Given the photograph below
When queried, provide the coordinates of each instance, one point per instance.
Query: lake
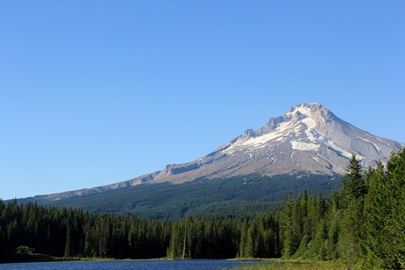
(131, 265)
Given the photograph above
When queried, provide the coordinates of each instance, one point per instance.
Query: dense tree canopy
(363, 223)
(72, 233)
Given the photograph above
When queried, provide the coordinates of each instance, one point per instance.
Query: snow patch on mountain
(341, 150)
(304, 146)
(373, 144)
(260, 141)
(315, 136)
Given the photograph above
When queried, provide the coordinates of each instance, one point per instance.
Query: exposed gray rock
(308, 138)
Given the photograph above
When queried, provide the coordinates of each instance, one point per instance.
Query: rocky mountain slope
(308, 138)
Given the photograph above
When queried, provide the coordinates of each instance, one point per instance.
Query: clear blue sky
(96, 92)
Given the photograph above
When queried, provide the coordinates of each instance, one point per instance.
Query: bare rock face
(308, 138)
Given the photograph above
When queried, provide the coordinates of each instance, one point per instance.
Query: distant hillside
(239, 196)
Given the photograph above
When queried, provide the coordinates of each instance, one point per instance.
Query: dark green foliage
(236, 197)
(24, 251)
(384, 240)
(299, 222)
(196, 238)
(221, 205)
(315, 228)
(354, 183)
(363, 223)
(27, 254)
(72, 233)
(260, 237)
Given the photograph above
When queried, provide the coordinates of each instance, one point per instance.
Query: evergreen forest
(233, 197)
(361, 224)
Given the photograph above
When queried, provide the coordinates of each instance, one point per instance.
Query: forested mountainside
(235, 197)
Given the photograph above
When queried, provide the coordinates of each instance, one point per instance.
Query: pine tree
(243, 239)
(250, 246)
(355, 188)
(68, 243)
(375, 212)
(395, 220)
(354, 182)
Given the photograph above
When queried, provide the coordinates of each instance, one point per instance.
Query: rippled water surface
(130, 265)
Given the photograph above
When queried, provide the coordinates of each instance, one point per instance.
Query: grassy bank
(302, 265)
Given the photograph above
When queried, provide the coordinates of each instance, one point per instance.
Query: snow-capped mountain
(308, 138)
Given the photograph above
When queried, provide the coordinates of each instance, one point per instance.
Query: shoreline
(45, 258)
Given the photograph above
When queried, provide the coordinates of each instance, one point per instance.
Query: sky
(100, 91)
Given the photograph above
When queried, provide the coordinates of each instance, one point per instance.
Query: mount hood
(307, 139)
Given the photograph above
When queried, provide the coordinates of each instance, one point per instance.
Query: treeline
(72, 233)
(363, 223)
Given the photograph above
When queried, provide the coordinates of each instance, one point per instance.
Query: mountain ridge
(309, 138)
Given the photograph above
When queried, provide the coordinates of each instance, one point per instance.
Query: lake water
(130, 265)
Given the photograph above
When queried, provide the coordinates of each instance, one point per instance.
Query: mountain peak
(309, 138)
(306, 106)
(311, 114)
(311, 110)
